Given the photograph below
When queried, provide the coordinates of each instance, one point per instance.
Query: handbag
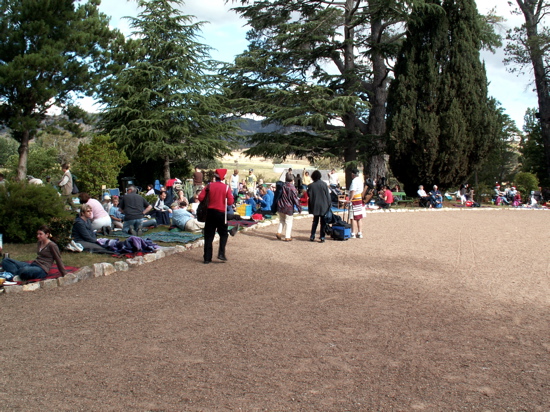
(202, 208)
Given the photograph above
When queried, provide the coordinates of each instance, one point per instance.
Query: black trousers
(315, 223)
(215, 221)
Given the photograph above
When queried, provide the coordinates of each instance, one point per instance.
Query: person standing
(134, 208)
(66, 185)
(219, 197)
(318, 204)
(198, 178)
(234, 182)
(285, 209)
(251, 181)
(355, 196)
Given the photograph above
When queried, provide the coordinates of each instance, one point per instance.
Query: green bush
(25, 207)
(61, 229)
(525, 183)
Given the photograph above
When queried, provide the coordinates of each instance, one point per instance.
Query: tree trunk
(23, 155)
(166, 168)
(541, 82)
(376, 165)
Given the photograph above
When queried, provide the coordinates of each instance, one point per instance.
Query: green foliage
(525, 183)
(49, 51)
(166, 105)
(210, 164)
(316, 72)
(8, 147)
(61, 230)
(24, 207)
(151, 198)
(502, 162)
(532, 148)
(42, 162)
(98, 163)
(441, 124)
(527, 48)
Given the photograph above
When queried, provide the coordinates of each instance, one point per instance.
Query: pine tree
(50, 50)
(165, 105)
(441, 124)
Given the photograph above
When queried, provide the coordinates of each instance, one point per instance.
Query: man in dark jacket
(318, 204)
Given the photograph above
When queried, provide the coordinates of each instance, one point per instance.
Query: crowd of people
(132, 214)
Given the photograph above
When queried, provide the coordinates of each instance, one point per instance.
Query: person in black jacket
(82, 231)
(318, 204)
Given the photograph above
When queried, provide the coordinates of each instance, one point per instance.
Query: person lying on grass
(47, 254)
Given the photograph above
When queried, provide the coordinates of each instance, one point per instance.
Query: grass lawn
(27, 251)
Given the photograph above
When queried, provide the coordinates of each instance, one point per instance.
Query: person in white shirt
(234, 183)
(333, 179)
(355, 194)
(424, 198)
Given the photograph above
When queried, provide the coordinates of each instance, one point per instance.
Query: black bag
(75, 190)
(202, 208)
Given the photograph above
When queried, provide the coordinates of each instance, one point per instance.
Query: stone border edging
(107, 269)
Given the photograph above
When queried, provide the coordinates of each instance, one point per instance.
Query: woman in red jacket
(219, 197)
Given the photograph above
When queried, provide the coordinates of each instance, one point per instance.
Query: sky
(225, 32)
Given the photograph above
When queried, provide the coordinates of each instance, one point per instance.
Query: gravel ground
(434, 311)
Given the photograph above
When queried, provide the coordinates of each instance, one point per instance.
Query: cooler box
(340, 232)
(244, 210)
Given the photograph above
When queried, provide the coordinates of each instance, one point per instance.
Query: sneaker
(352, 236)
(359, 235)
(234, 230)
(140, 232)
(312, 238)
(132, 232)
(278, 236)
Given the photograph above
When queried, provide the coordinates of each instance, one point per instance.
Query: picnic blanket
(52, 274)
(173, 236)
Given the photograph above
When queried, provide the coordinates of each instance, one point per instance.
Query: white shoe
(352, 236)
(359, 235)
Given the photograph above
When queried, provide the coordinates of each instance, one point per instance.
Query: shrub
(24, 207)
(61, 230)
(525, 183)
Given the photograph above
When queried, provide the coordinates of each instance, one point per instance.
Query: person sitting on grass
(100, 219)
(162, 210)
(82, 231)
(134, 208)
(183, 219)
(385, 198)
(264, 201)
(47, 254)
(117, 217)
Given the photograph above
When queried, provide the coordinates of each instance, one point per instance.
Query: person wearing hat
(251, 181)
(106, 203)
(219, 197)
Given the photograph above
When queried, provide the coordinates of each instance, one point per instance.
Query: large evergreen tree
(165, 105)
(441, 124)
(530, 46)
(532, 148)
(322, 66)
(49, 50)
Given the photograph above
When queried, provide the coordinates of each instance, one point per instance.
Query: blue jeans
(134, 224)
(25, 270)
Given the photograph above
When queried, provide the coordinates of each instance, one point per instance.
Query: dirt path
(435, 311)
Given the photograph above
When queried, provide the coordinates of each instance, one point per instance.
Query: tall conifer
(441, 124)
